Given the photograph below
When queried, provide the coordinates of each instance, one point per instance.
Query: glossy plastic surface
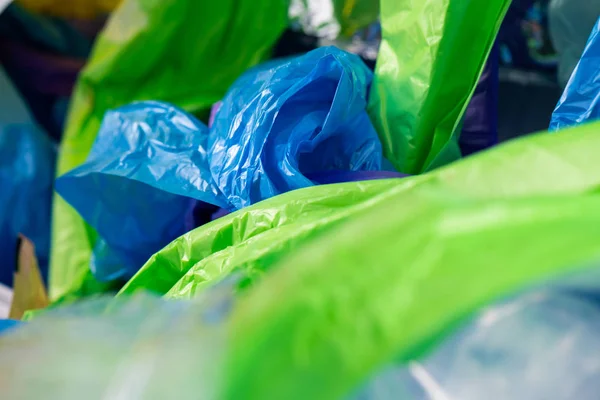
(430, 59)
(284, 120)
(580, 101)
(277, 124)
(185, 52)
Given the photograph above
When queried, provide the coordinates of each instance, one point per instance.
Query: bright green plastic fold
(362, 274)
(186, 52)
(429, 62)
(253, 239)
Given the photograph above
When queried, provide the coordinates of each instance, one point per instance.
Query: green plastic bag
(254, 239)
(429, 62)
(416, 257)
(185, 52)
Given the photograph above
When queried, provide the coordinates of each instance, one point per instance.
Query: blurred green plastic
(361, 274)
(186, 52)
(429, 62)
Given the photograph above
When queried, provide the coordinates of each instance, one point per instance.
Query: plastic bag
(425, 76)
(26, 176)
(307, 115)
(579, 101)
(186, 52)
(277, 226)
(339, 309)
(541, 345)
(312, 121)
(303, 271)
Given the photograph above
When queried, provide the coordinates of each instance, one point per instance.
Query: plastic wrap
(287, 119)
(139, 183)
(26, 176)
(429, 62)
(184, 52)
(306, 115)
(254, 239)
(541, 345)
(579, 102)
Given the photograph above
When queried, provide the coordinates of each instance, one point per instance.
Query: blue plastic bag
(152, 163)
(27, 158)
(580, 101)
(302, 116)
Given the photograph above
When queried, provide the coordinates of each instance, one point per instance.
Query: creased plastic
(283, 121)
(277, 126)
(339, 281)
(430, 59)
(378, 288)
(254, 239)
(184, 52)
(579, 102)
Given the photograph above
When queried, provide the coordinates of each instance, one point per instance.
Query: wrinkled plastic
(198, 48)
(26, 175)
(294, 250)
(538, 346)
(307, 116)
(570, 23)
(425, 77)
(330, 315)
(579, 102)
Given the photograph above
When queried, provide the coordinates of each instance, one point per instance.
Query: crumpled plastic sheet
(580, 101)
(277, 125)
(319, 262)
(429, 62)
(287, 119)
(27, 158)
(540, 345)
(179, 66)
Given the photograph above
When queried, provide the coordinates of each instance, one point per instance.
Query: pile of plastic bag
(243, 208)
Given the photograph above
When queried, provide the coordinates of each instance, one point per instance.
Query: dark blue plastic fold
(27, 158)
(152, 163)
(580, 101)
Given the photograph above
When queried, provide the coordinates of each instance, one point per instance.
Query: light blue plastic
(279, 122)
(580, 101)
(27, 159)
